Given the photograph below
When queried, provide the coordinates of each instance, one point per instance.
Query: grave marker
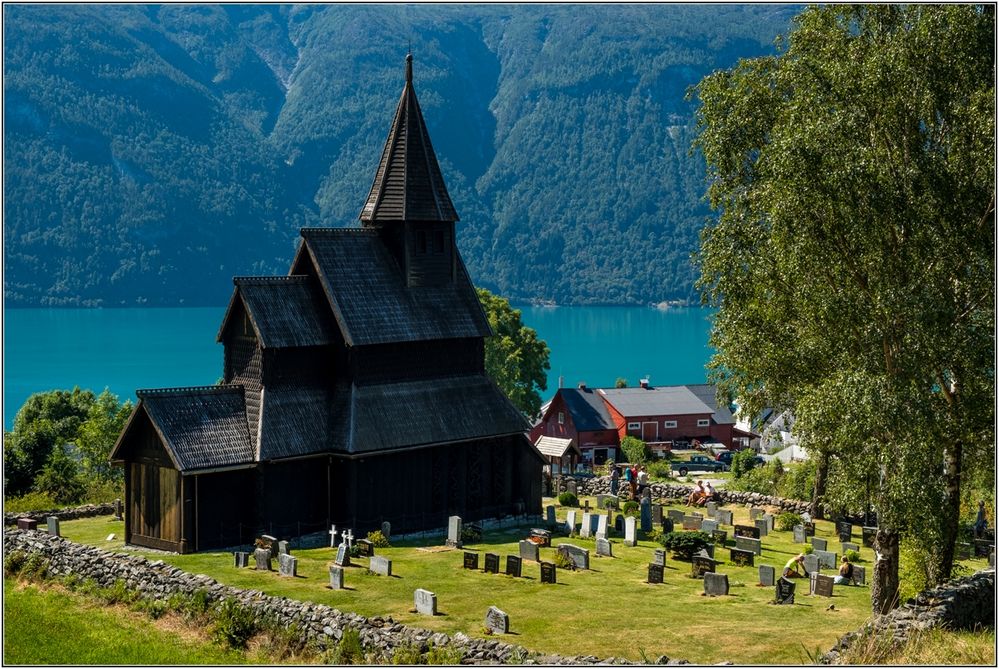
(762, 526)
(541, 537)
(619, 524)
(784, 592)
(594, 522)
(425, 602)
(809, 528)
(983, 547)
(867, 536)
(819, 544)
(471, 560)
(380, 565)
(741, 557)
(496, 621)
(365, 548)
(492, 563)
(646, 514)
(659, 557)
(271, 544)
(387, 529)
(767, 575)
(550, 518)
(283, 548)
(548, 572)
(769, 517)
(27, 524)
(699, 565)
(755, 512)
(708, 550)
(747, 531)
(811, 563)
(827, 559)
(675, 515)
(585, 529)
(858, 575)
(241, 559)
(602, 526)
(570, 521)
(691, 523)
(262, 559)
(580, 556)
(711, 508)
(992, 559)
(604, 547)
(454, 531)
(655, 573)
(844, 529)
(342, 558)
(749, 544)
(117, 510)
(709, 526)
(715, 585)
(336, 577)
(332, 534)
(629, 531)
(720, 536)
(513, 566)
(847, 546)
(657, 514)
(529, 550)
(667, 525)
(821, 585)
(287, 565)
(799, 534)
(52, 525)
(724, 516)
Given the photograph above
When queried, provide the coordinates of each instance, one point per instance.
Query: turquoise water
(125, 349)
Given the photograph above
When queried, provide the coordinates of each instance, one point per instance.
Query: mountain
(151, 152)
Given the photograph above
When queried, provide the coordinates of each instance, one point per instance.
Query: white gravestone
(629, 531)
(425, 602)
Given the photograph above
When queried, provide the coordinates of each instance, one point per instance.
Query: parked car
(699, 463)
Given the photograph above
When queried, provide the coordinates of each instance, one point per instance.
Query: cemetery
(496, 581)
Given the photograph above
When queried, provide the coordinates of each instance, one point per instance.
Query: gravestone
(629, 531)
(847, 546)
(769, 517)
(52, 525)
(550, 518)
(262, 559)
(708, 550)
(667, 525)
(425, 602)
(762, 526)
(699, 565)
(720, 536)
(827, 559)
(333, 534)
(513, 566)
(715, 585)
(799, 534)
(570, 486)
(749, 544)
(603, 500)
(809, 528)
(365, 548)
(336, 577)
(821, 585)
(570, 521)
(657, 514)
(659, 557)
(646, 514)
(691, 523)
(696, 513)
(619, 524)
(867, 536)
(586, 506)
(756, 512)
(655, 573)
(27, 524)
(767, 575)
(741, 557)
(386, 529)
(529, 550)
(241, 559)
(548, 572)
(541, 537)
(819, 544)
(117, 510)
(580, 556)
(858, 575)
(380, 565)
(711, 508)
(492, 563)
(992, 559)
(497, 622)
(595, 522)
(723, 516)
(283, 548)
(272, 543)
(675, 515)
(604, 547)
(287, 565)
(784, 592)
(585, 530)
(811, 563)
(844, 529)
(342, 558)
(747, 531)
(454, 531)
(471, 560)
(348, 537)
(602, 526)
(709, 526)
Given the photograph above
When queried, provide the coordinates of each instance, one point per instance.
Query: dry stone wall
(86, 511)
(322, 625)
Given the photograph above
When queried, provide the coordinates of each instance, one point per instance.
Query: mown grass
(609, 610)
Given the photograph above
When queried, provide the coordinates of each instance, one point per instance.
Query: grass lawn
(52, 626)
(609, 610)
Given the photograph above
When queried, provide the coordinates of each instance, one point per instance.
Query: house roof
(202, 427)
(408, 183)
(370, 300)
(556, 447)
(285, 311)
(301, 421)
(656, 401)
(589, 413)
(706, 392)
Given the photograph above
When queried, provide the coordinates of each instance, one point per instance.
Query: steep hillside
(152, 152)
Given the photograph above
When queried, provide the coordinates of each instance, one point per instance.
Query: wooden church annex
(353, 392)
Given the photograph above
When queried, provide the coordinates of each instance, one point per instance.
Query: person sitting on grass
(697, 495)
(845, 576)
(709, 494)
(791, 568)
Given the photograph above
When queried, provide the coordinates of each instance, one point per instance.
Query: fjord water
(125, 349)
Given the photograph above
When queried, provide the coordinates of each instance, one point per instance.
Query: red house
(580, 414)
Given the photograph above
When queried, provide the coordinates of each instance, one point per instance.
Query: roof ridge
(289, 278)
(332, 231)
(180, 390)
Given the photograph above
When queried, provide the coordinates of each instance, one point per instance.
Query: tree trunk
(884, 585)
(819, 494)
(950, 514)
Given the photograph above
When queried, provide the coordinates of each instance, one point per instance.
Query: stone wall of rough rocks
(320, 624)
(962, 604)
(86, 511)
(601, 485)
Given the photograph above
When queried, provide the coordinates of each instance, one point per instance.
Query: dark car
(726, 457)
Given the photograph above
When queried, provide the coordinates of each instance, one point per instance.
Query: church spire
(408, 184)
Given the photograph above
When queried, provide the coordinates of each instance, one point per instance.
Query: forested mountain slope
(152, 152)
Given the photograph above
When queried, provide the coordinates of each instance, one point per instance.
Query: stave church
(353, 390)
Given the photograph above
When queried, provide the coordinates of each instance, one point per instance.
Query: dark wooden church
(354, 389)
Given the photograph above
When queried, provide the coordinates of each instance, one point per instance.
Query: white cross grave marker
(348, 536)
(332, 534)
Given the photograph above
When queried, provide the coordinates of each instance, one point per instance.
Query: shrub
(444, 655)
(563, 561)
(636, 450)
(234, 624)
(808, 549)
(154, 608)
(33, 567)
(631, 508)
(13, 562)
(685, 544)
(32, 501)
(378, 539)
(568, 499)
(852, 556)
(471, 533)
(348, 650)
(660, 469)
(118, 593)
(655, 535)
(355, 550)
(786, 521)
(742, 462)
(407, 654)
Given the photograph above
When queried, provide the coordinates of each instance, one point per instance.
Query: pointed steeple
(408, 185)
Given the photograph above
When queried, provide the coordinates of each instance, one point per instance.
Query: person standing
(981, 520)
(615, 479)
(633, 479)
(643, 479)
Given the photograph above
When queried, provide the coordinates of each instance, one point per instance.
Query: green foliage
(515, 358)
(471, 533)
(32, 501)
(407, 654)
(568, 499)
(742, 462)
(659, 469)
(97, 436)
(378, 539)
(563, 561)
(117, 593)
(60, 478)
(786, 521)
(154, 608)
(13, 562)
(348, 650)
(764, 479)
(635, 450)
(684, 545)
(631, 508)
(852, 556)
(808, 549)
(233, 624)
(621, 383)
(438, 655)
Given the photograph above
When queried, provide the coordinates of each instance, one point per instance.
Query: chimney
(561, 380)
(644, 383)
(582, 385)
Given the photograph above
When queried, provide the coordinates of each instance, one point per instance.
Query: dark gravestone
(336, 577)
(767, 575)
(541, 537)
(241, 559)
(548, 572)
(700, 565)
(784, 591)
(822, 585)
(513, 566)
(492, 563)
(992, 559)
(715, 585)
(570, 486)
(867, 536)
(27, 524)
(675, 515)
(691, 523)
(529, 551)
(471, 561)
(342, 558)
(747, 531)
(659, 557)
(762, 526)
(709, 551)
(272, 544)
(798, 534)
(655, 573)
(749, 544)
(118, 510)
(740, 557)
(668, 526)
(619, 524)
(365, 548)
(387, 529)
(819, 544)
(858, 575)
(720, 536)
(827, 559)
(723, 516)
(657, 514)
(550, 515)
(962, 550)
(497, 622)
(262, 558)
(769, 517)
(844, 529)
(809, 529)
(645, 518)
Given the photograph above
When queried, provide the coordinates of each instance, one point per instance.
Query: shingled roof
(202, 427)
(285, 311)
(655, 401)
(706, 392)
(299, 421)
(370, 300)
(408, 184)
(589, 413)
